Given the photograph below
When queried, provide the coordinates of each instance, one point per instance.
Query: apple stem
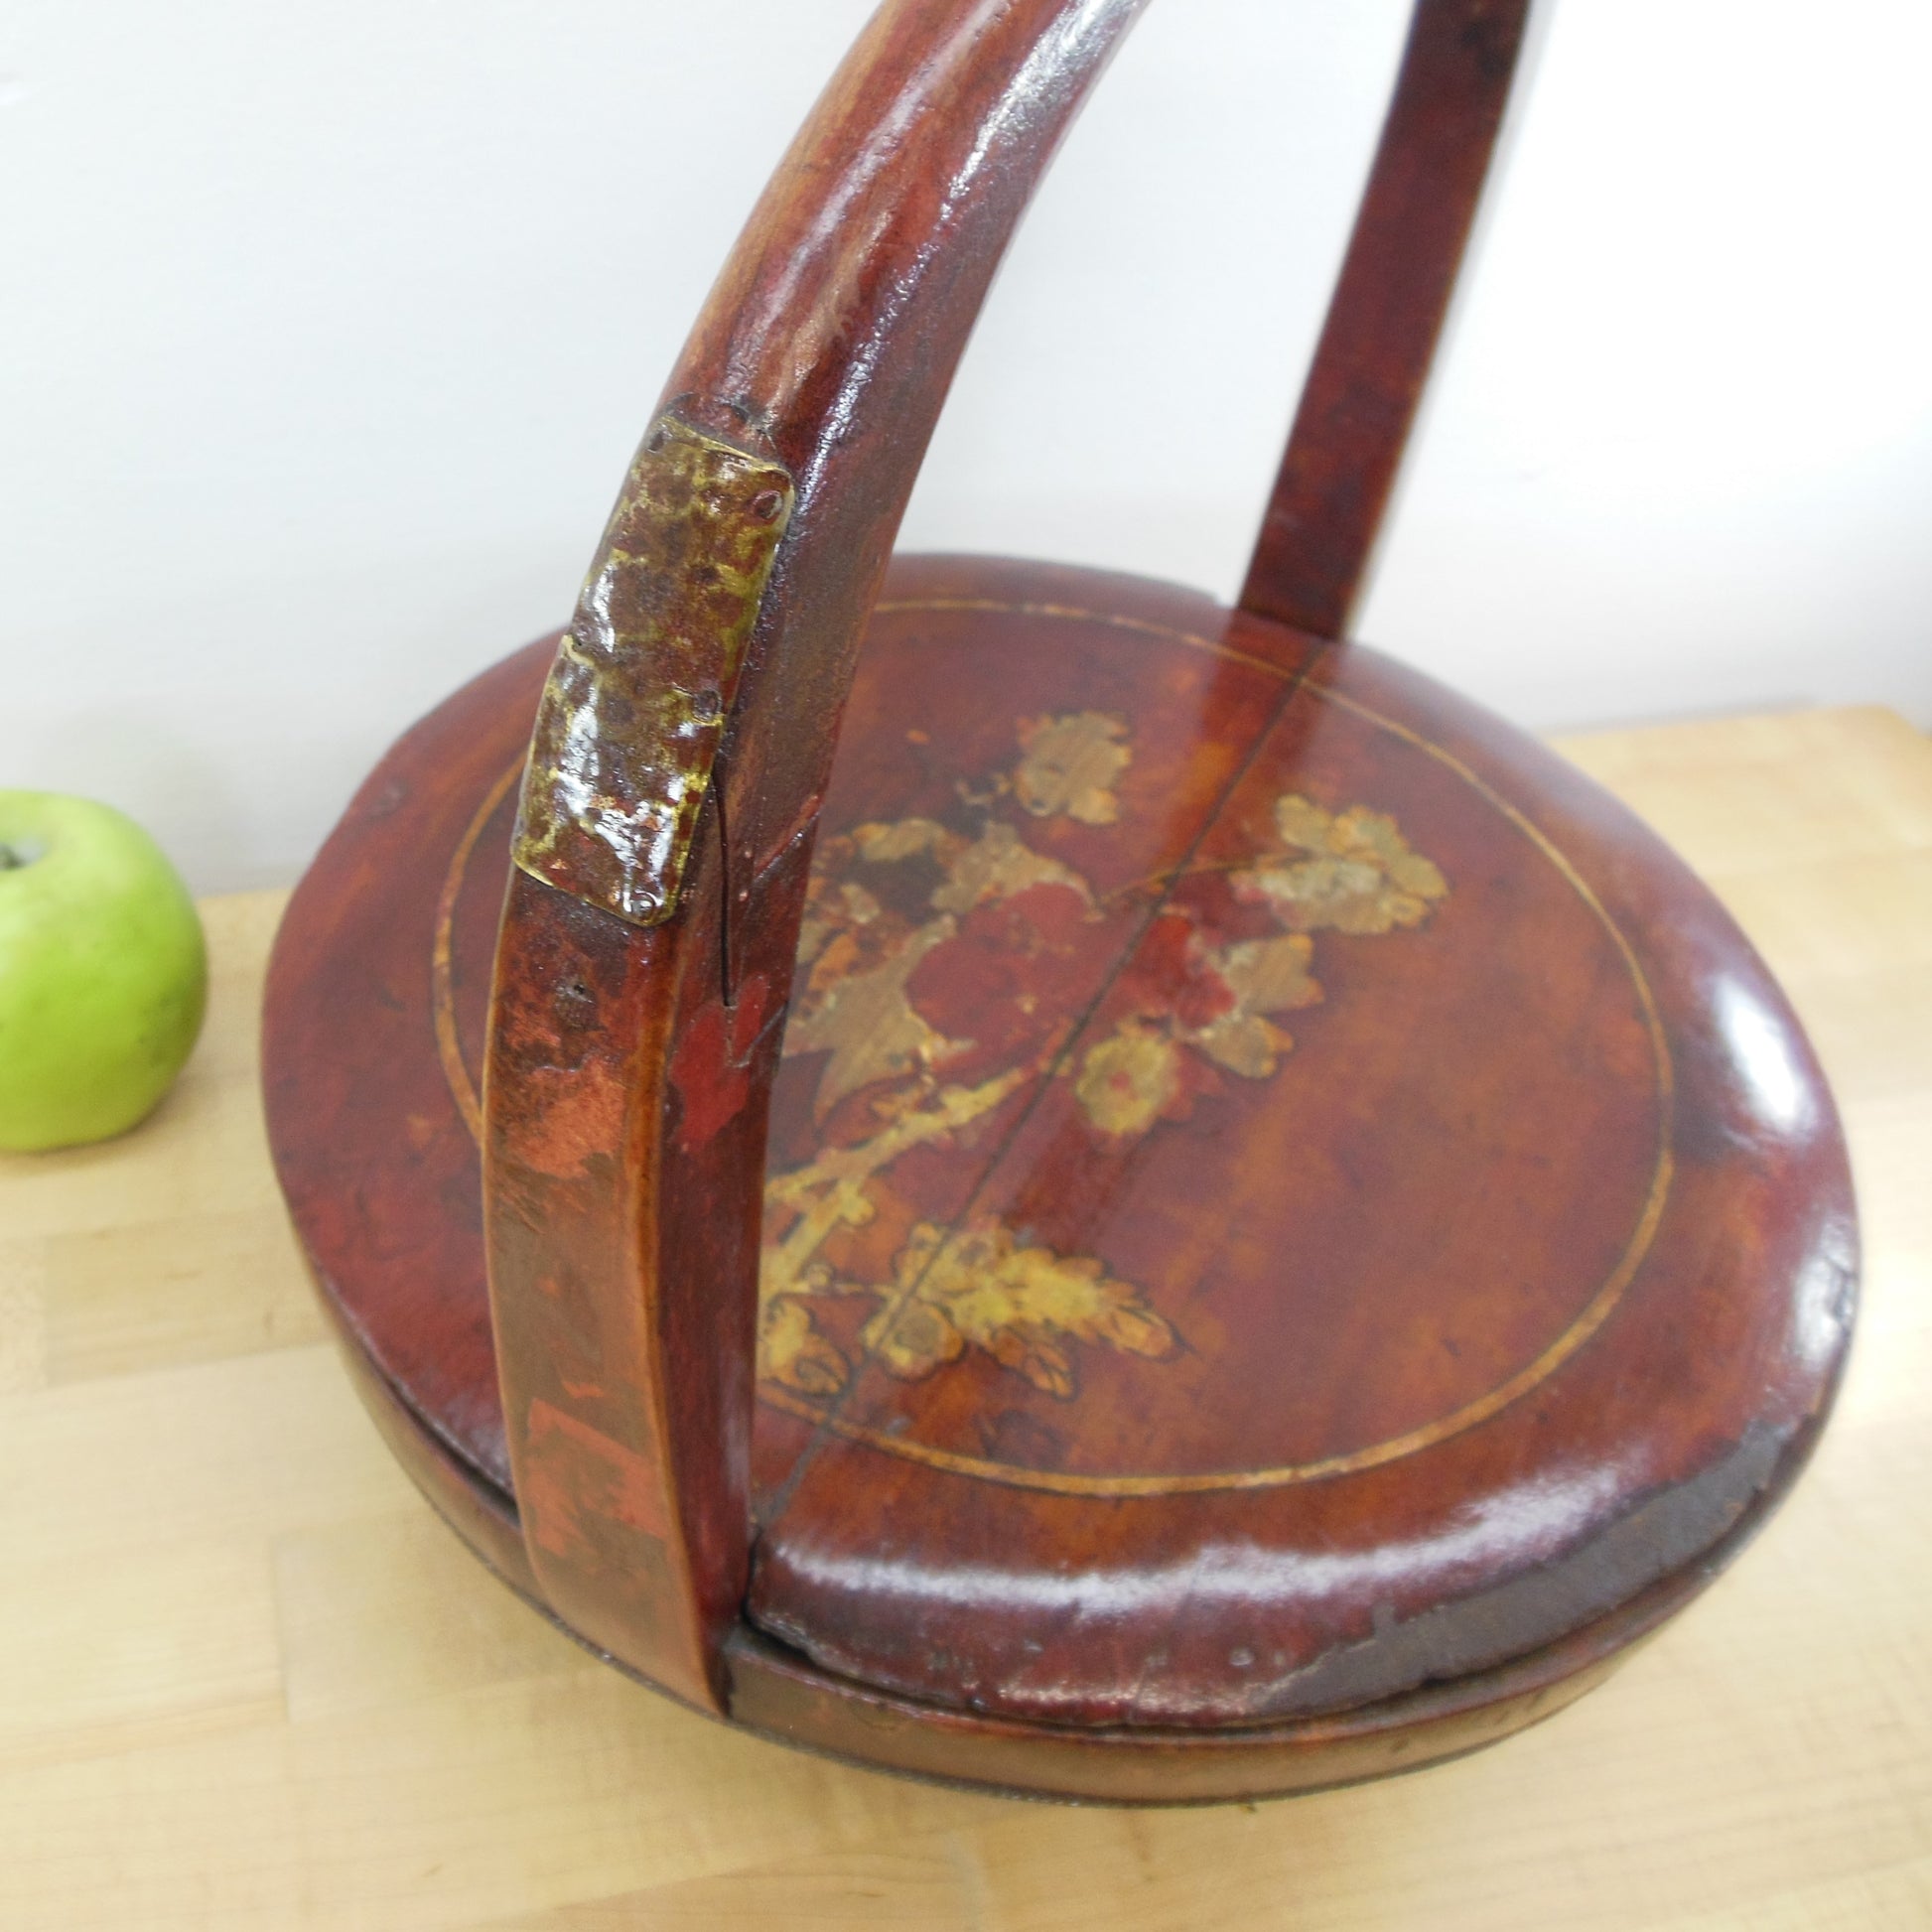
(10, 859)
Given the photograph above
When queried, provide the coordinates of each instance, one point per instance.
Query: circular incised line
(1593, 1314)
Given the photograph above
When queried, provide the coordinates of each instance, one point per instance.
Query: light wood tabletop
(248, 1680)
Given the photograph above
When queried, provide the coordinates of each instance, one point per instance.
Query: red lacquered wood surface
(1291, 1230)
(1561, 1323)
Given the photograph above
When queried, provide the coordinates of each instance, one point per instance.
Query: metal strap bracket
(629, 722)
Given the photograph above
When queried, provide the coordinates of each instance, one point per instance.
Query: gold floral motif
(1129, 1078)
(1189, 1006)
(867, 1024)
(792, 1352)
(1265, 976)
(1359, 875)
(1135, 1075)
(976, 1287)
(1070, 765)
(853, 1004)
(830, 1191)
(998, 865)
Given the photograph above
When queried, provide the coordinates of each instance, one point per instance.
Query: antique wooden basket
(1293, 1231)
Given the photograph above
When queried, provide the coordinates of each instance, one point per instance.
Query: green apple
(103, 975)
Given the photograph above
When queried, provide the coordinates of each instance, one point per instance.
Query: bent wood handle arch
(682, 749)
(645, 955)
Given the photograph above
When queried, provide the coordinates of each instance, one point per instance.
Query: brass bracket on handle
(631, 718)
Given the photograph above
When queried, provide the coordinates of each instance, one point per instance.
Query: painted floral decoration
(939, 969)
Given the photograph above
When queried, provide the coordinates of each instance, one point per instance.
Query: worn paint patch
(575, 1477)
(575, 1116)
(644, 678)
(712, 1068)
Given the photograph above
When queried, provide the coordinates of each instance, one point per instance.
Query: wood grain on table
(246, 1678)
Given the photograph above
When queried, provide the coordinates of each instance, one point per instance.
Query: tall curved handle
(1366, 381)
(683, 745)
(646, 954)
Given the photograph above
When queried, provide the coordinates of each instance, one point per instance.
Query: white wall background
(326, 332)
